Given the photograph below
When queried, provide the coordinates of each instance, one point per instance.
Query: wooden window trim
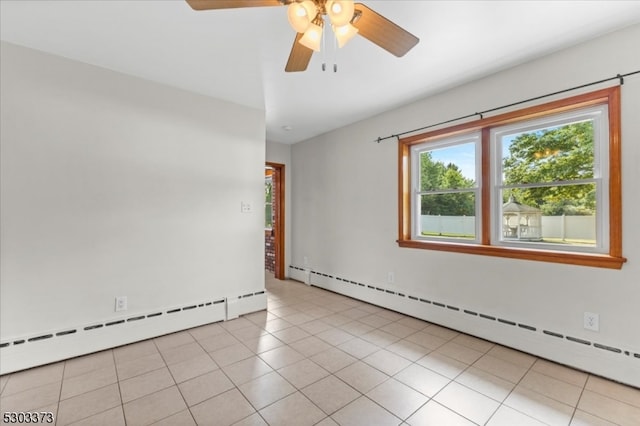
(612, 260)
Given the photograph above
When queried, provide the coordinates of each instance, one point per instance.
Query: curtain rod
(481, 113)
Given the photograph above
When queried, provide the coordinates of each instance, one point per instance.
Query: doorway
(274, 219)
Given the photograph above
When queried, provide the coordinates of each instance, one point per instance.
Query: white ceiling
(239, 55)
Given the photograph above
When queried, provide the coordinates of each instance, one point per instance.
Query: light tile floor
(316, 357)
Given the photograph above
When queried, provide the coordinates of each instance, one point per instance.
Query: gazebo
(521, 222)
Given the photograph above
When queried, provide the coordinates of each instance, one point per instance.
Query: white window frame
(599, 115)
(416, 173)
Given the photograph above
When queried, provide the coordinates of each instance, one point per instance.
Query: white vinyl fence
(569, 227)
(448, 225)
(563, 227)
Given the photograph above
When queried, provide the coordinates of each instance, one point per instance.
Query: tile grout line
(175, 383)
(64, 367)
(602, 395)
(609, 396)
(333, 374)
(392, 376)
(451, 380)
(575, 409)
(115, 367)
(89, 391)
(235, 386)
(514, 388)
(379, 348)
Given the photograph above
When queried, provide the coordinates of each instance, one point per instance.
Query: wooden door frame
(278, 217)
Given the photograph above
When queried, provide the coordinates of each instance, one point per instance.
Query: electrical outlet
(591, 321)
(391, 277)
(246, 207)
(121, 303)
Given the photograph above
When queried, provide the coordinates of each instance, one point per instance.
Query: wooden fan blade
(230, 4)
(299, 57)
(381, 31)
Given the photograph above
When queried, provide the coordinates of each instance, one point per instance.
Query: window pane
(453, 167)
(449, 215)
(268, 187)
(551, 154)
(268, 196)
(268, 217)
(552, 215)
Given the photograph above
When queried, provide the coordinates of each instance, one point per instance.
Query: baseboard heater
(432, 310)
(40, 348)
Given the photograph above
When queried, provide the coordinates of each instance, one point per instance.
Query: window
(446, 193)
(268, 200)
(549, 181)
(542, 183)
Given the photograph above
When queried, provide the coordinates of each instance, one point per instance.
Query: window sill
(570, 258)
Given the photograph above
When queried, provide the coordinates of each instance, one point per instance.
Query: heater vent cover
(110, 323)
(455, 309)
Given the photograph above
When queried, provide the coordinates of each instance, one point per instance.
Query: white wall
(281, 153)
(345, 222)
(116, 186)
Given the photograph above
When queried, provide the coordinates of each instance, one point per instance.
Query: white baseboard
(602, 358)
(19, 353)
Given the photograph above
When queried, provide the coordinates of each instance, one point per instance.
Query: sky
(463, 156)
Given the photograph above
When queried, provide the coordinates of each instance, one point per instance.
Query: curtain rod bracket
(621, 79)
(480, 114)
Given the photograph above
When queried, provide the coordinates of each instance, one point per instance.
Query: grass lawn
(573, 242)
(447, 235)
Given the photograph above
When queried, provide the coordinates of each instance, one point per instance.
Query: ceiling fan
(307, 18)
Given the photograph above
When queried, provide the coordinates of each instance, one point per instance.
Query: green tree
(430, 172)
(560, 154)
(435, 175)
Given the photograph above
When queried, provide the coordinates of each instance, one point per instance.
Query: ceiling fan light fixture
(301, 15)
(344, 33)
(312, 37)
(340, 11)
